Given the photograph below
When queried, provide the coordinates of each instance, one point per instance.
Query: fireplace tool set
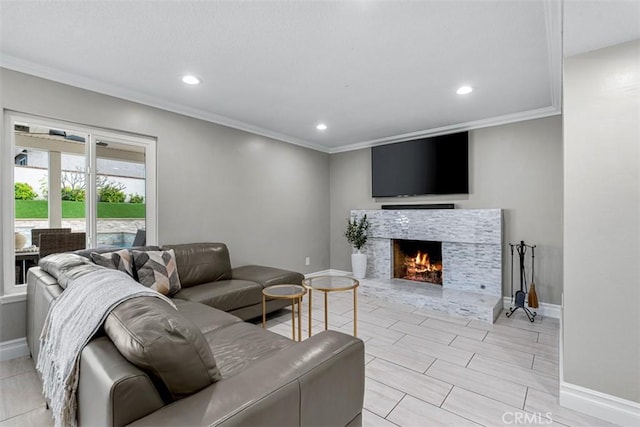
(521, 294)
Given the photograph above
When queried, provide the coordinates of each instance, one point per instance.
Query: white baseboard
(604, 406)
(549, 310)
(13, 349)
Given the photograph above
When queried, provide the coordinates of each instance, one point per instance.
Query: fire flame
(421, 259)
(421, 264)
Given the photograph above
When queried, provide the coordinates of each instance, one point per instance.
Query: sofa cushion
(267, 276)
(119, 260)
(224, 295)
(204, 317)
(201, 262)
(152, 335)
(240, 345)
(157, 270)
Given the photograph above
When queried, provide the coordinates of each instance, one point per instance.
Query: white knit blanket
(73, 319)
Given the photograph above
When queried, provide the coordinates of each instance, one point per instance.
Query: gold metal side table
(291, 292)
(328, 284)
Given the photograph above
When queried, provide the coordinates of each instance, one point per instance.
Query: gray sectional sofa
(264, 379)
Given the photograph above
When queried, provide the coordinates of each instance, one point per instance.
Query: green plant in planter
(356, 233)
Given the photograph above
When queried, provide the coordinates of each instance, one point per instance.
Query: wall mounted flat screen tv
(436, 165)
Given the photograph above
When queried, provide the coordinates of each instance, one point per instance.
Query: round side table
(328, 284)
(290, 292)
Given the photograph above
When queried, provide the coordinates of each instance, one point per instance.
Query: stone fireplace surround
(471, 259)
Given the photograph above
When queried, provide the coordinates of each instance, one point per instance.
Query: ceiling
(372, 71)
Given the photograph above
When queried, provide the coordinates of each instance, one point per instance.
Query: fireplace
(418, 260)
(471, 245)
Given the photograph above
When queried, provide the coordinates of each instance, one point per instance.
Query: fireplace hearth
(418, 260)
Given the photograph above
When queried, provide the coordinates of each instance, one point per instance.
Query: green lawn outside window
(38, 209)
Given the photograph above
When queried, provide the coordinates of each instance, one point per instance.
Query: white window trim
(7, 212)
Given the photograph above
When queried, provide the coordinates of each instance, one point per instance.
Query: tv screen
(436, 165)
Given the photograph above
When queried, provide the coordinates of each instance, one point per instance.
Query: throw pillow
(157, 270)
(118, 260)
(154, 336)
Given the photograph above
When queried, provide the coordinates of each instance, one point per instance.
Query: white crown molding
(553, 23)
(600, 405)
(38, 70)
(461, 127)
(545, 309)
(13, 349)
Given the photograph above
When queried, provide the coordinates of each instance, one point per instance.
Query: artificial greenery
(356, 233)
(23, 191)
(121, 210)
(39, 209)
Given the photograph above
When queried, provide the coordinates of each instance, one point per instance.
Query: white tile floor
(422, 368)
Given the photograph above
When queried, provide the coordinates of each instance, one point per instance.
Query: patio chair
(66, 242)
(36, 232)
(141, 238)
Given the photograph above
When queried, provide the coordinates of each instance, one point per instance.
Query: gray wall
(515, 167)
(268, 200)
(13, 323)
(601, 321)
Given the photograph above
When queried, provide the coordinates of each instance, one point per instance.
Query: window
(21, 158)
(72, 177)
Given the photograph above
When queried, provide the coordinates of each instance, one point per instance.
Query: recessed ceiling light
(321, 126)
(191, 80)
(463, 90)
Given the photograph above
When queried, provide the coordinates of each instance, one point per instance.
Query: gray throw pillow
(157, 270)
(154, 336)
(119, 260)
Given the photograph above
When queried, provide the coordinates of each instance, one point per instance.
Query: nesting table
(328, 284)
(290, 292)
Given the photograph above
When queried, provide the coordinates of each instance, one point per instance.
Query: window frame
(7, 204)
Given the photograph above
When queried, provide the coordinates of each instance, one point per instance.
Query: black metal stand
(520, 304)
(520, 295)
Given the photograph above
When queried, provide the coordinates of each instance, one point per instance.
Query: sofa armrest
(319, 381)
(267, 276)
(42, 289)
(112, 391)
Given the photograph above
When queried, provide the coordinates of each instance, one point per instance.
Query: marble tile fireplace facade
(471, 253)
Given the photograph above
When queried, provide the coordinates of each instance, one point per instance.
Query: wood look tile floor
(422, 368)
(427, 368)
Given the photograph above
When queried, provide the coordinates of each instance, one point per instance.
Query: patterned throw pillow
(118, 260)
(157, 270)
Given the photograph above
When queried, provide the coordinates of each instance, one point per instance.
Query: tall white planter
(359, 265)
